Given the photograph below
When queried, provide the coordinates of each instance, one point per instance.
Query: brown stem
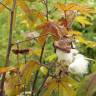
(34, 82)
(47, 12)
(9, 47)
(40, 89)
(42, 51)
(29, 39)
(18, 56)
(46, 5)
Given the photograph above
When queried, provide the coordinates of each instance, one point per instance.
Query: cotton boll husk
(79, 65)
(67, 57)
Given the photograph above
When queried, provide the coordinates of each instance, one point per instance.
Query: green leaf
(51, 58)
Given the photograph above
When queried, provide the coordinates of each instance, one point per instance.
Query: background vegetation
(22, 26)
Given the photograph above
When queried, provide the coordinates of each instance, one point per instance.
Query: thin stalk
(18, 56)
(25, 59)
(34, 82)
(29, 39)
(43, 47)
(47, 12)
(42, 51)
(9, 47)
(40, 89)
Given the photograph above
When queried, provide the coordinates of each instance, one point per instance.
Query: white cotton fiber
(79, 66)
(67, 57)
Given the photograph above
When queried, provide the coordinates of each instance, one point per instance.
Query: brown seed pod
(23, 51)
(63, 44)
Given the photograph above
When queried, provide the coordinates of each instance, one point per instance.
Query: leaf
(43, 70)
(51, 28)
(51, 58)
(88, 86)
(36, 52)
(51, 85)
(74, 6)
(68, 19)
(12, 86)
(67, 89)
(38, 14)
(27, 70)
(23, 6)
(6, 69)
(74, 33)
(88, 43)
(83, 20)
(63, 85)
(42, 38)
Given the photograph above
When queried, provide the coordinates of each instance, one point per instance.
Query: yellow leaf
(12, 86)
(74, 6)
(82, 20)
(6, 69)
(51, 86)
(36, 52)
(23, 6)
(67, 89)
(27, 70)
(80, 39)
(88, 43)
(74, 33)
(62, 86)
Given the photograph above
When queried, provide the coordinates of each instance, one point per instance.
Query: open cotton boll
(79, 65)
(67, 57)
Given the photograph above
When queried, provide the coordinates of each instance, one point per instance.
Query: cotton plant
(77, 63)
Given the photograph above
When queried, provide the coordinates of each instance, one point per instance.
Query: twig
(46, 5)
(18, 56)
(34, 82)
(42, 51)
(5, 6)
(42, 84)
(43, 47)
(29, 39)
(9, 47)
(47, 12)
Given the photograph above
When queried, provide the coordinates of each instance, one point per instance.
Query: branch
(43, 47)
(9, 47)
(47, 11)
(34, 82)
(5, 6)
(42, 51)
(40, 89)
(28, 39)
